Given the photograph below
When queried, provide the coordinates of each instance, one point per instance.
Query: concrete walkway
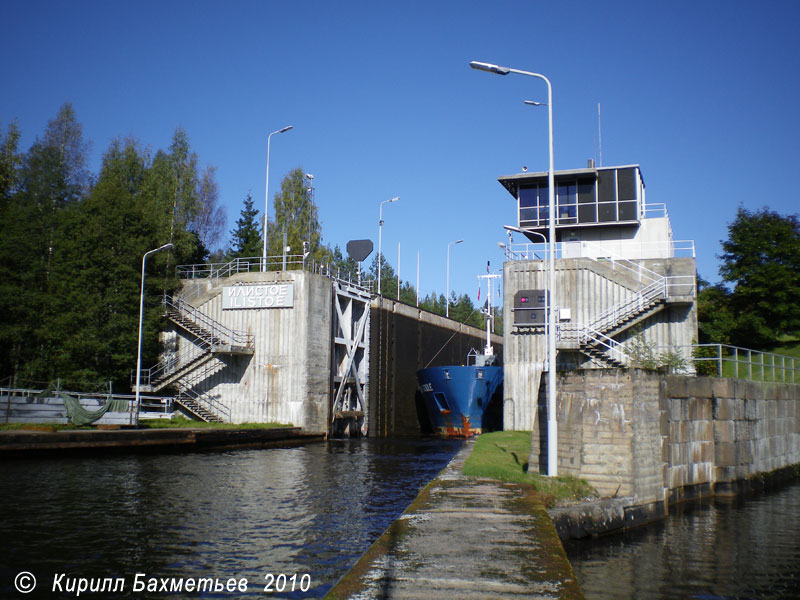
(465, 538)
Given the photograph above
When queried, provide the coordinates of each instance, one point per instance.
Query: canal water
(308, 512)
(720, 549)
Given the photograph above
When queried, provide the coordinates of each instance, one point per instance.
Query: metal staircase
(210, 339)
(595, 338)
(215, 335)
(203, 406)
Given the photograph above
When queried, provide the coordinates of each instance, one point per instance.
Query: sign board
(359, 250)
(265, 295)
(529, 307)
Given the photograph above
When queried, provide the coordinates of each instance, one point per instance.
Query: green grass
(176, 422)
(503, 455)
(42, 426)
(787, 346)
(181, 421)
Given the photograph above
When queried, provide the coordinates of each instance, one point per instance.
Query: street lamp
(447, 299)
(266, 199)
(552, 424)
(141, 324)
(380, 233)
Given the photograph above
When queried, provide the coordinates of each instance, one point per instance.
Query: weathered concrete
(588, 288)
(404, 339)
(287, 379)
(465, 538)
(34, 443)
(661, 439)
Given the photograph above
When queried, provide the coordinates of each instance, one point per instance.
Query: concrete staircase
(202, 406)
(185, 371)
(596, 340)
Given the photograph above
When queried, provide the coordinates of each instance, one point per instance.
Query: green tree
(715, 319)
(96, 276)
(209, 220)
(434, 303)
(344, 266)
(10, 161)
(296, 216)
(52, 177)
(246, 238)
(388, 276)
(761, 259)
(462, 310)
(184, 199)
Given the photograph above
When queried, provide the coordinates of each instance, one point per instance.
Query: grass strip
(503, 455)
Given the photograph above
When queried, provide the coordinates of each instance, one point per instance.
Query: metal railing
(208, 403)
(215, 332)
(172, 364)
(585, 335)
(586, 249)
(723, 360)
(294, 262)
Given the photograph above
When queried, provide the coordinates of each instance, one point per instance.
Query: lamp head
(285, 129)
(482, 66)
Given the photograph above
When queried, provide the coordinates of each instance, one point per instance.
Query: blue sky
(703, 95)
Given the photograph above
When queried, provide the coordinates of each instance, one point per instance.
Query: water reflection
(313, 509)
(722, 549)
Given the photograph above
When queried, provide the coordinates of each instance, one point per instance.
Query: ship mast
(488, 350)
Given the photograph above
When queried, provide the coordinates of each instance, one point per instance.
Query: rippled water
(743, 548)
(313, 509)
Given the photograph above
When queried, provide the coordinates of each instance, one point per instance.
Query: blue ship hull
(459, 399)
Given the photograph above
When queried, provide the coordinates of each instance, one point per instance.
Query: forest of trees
(72, 241)
(756, 304)
(72, 245)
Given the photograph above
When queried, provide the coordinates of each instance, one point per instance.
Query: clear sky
(703, 95)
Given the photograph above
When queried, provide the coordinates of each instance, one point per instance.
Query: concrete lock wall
(404, 339)
(588, 288)
(664, 438)
(287, 378)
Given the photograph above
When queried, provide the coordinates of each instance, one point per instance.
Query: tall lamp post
(380, 233)
(552, 424)
(266, 199)
(138, 401)
(447, 299)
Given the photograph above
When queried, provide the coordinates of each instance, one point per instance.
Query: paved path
(465, 538)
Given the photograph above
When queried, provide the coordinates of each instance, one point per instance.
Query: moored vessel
(466, 400)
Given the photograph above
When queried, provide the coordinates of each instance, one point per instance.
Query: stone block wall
(666, 438)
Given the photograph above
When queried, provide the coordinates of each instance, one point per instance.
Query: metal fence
(722, 360)
(292, 262)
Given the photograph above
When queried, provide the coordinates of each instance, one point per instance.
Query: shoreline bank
(608, 516)
(101, 442)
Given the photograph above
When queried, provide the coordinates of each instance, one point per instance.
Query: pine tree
(246, 238)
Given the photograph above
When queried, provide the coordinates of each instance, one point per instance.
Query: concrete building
(624, 288)
(299, 346)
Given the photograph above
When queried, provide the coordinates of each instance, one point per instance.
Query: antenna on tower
(599, 139)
